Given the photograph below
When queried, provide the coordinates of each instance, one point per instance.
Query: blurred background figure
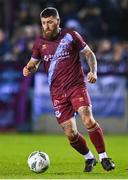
(103, 24)
(5, 46)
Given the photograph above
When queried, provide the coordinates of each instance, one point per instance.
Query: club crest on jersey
(63, 42)
(44, 46)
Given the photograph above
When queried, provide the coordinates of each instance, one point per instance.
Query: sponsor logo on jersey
(81, 99)
(62, 51)
(61, 55)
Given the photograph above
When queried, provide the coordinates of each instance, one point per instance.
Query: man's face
(50, 26)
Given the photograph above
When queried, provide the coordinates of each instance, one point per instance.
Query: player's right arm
(31, 67)
(35, 60)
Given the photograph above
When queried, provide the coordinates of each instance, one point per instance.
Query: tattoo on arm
(91, 60)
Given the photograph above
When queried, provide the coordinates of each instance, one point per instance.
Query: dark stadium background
(26, 106)
(27, 122)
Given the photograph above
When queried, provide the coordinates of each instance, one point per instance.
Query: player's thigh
(86, 115)
(82, 104)
(63, 108)
(85, 112)
(80, 98)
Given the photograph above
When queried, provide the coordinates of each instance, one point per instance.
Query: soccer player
(58, 51)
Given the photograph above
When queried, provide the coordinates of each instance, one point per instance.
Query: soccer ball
(38, 161)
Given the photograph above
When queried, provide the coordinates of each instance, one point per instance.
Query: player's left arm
(92, 62)
(89, 55)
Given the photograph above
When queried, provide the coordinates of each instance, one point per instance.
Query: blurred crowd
(102, 23)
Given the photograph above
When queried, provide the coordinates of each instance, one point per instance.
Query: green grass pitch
(66, 163)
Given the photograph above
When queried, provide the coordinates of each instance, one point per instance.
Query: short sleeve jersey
(61, 60)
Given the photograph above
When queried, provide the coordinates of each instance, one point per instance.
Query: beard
(50, 34)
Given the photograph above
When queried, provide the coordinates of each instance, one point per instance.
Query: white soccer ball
(38, 161)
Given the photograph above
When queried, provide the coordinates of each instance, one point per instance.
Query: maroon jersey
(61, 61)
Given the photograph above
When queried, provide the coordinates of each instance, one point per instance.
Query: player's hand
(91, 77)
(29, 69)
(26, 72)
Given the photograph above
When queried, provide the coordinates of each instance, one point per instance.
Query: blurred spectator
(117, 52)
(104, 51)
(92, 21)
(112, 16)
(5, 46)
(103, 23)
(74, 24)
(23, 16)
(68, 11)
(23, 42)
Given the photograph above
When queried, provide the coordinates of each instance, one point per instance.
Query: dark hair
(50, 11)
